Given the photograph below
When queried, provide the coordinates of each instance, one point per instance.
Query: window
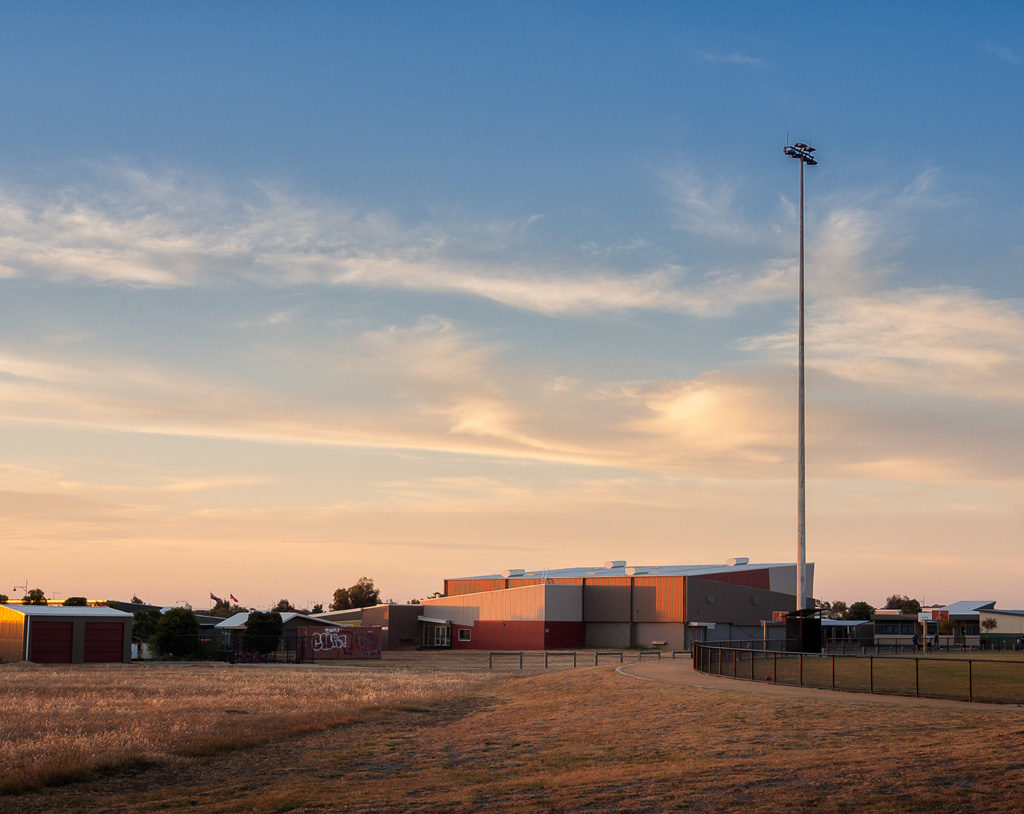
(465, 634)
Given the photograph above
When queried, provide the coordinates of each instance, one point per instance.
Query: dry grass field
(559, 741)
(63, 723)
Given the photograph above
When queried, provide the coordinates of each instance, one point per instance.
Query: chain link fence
(959, 677)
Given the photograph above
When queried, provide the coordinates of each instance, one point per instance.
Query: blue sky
(421, 290)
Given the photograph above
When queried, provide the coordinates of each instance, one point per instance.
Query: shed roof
(237, 622)
(635, 570)
(1008, 612)
(67, 610)
(970, 606)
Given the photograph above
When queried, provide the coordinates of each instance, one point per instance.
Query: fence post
(545, 659)
(735, 658)
(520, 659)
(719, 660)
(622, 657)
(595, 658)
(833, 671)
(801, 669)
(574, 659)
(775, 667)
(970, 679)
(917, 678)
(751, 666)
(871, 673)
(490, 660)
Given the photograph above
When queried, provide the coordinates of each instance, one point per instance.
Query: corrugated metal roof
(237, 622)
(970, 606)
(66, 610)
(1007, 612)
(638, 570)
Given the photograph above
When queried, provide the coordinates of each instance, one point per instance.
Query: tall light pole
(802, 153)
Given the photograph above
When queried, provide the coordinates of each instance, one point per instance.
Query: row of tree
(37, 597)
(176, 632)
(863, 610)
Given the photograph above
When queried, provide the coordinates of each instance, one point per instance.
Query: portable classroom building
(56, 634)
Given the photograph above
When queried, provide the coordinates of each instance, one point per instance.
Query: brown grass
(59, 724)
(592, 739)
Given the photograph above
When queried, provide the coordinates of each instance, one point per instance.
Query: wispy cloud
(941, 340)
(1002, 53)
(734, 58)
(144, 230)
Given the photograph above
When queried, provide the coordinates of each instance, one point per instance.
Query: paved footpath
(680, 671)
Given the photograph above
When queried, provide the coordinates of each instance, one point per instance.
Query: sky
(292, 294)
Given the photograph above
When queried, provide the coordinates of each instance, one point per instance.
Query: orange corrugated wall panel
(659, 599)
(457, 587)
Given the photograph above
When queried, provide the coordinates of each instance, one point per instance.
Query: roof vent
(737, 560)
(634, 571)
(512, 572)
(615, 564)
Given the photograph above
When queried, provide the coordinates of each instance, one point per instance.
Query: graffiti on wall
(340, 643)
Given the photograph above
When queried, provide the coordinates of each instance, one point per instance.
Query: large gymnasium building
(614, 606)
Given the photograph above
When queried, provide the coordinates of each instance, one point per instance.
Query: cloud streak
(169, 231)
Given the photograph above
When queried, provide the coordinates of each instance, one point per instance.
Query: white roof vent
(512, 572)
(737, 561)
(633, 571)
(615, 564)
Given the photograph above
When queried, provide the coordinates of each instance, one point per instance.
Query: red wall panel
(502, 636)
(520, 636)
(563, 635)
(751, 579)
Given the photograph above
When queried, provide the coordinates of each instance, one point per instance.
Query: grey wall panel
(612, 635)
(711, 601)
(672, 633)
(606, 603)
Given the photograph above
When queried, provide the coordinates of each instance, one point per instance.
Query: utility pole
(802, 153)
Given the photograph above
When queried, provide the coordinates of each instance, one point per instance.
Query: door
(50, 642)
(104, 641)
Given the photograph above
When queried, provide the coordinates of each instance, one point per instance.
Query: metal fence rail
(925, 676)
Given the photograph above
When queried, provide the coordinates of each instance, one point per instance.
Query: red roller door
(104, 641)
(51, 642)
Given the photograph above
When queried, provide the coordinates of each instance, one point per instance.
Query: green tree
(837, 610)
(989, 623)
(364, 593)
(262, 632)
(318, 608)
(341, 600)
(35, 597)
(859, 611)
(4, 598)
(145, 623)
(76, 602)
(136, 600)
(177, 633)
(904, 604)
(284, 606)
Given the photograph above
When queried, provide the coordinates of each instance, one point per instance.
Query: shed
(233, 626)
(58, 634)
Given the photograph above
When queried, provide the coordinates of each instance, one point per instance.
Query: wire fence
(868, 647)
(993, 680)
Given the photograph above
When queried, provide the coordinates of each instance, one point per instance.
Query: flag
(215, 598)
(233, 598)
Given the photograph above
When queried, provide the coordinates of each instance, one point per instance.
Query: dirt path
(680, 671)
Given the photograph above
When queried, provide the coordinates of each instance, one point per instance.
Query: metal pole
(801, 529)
